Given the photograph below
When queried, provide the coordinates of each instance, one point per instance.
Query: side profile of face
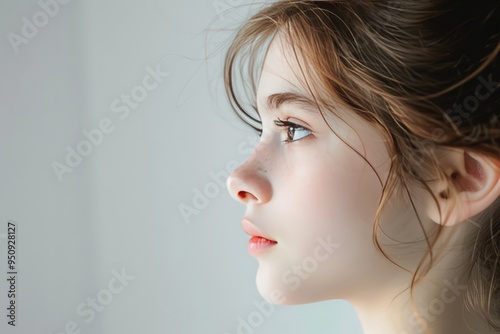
(306, 189)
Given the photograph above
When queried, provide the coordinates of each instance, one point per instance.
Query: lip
(259, 242)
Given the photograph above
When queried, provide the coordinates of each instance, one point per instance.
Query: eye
(294, 131)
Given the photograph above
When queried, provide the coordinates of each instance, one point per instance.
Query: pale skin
(318, 188)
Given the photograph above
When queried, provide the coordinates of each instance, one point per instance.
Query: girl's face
(315, 196)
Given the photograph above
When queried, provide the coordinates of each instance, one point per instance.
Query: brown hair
(412, 69)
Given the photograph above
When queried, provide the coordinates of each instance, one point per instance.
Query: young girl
(377, 175)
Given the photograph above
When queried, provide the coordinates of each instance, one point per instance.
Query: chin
(281, 294)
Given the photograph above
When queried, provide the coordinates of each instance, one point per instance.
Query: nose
(250, 182)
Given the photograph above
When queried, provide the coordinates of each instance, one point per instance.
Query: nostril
(247, 185)
(245, 196)
(242, 194)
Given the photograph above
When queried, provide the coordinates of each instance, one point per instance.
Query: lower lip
(257, 245)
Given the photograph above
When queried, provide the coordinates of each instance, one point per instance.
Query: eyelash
(290, 125)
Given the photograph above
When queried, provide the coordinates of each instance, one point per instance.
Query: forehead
(284, 80)
(280, 73)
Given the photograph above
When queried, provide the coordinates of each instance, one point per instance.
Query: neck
(438, 307)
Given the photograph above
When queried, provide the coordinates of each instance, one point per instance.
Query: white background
(119, 208)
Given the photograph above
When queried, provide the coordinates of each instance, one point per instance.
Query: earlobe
(476, 181)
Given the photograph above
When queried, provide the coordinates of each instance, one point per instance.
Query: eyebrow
(275, 101)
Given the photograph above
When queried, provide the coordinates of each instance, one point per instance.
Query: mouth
(258, 242)
(257, 245)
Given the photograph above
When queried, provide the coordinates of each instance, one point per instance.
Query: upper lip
(252, 230)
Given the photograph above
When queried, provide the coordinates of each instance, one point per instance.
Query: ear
(476, 179)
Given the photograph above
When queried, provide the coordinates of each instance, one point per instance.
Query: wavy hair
(411, 68)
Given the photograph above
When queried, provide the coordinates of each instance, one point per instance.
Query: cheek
(334, 199)
(324, 210)
(336, 194)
